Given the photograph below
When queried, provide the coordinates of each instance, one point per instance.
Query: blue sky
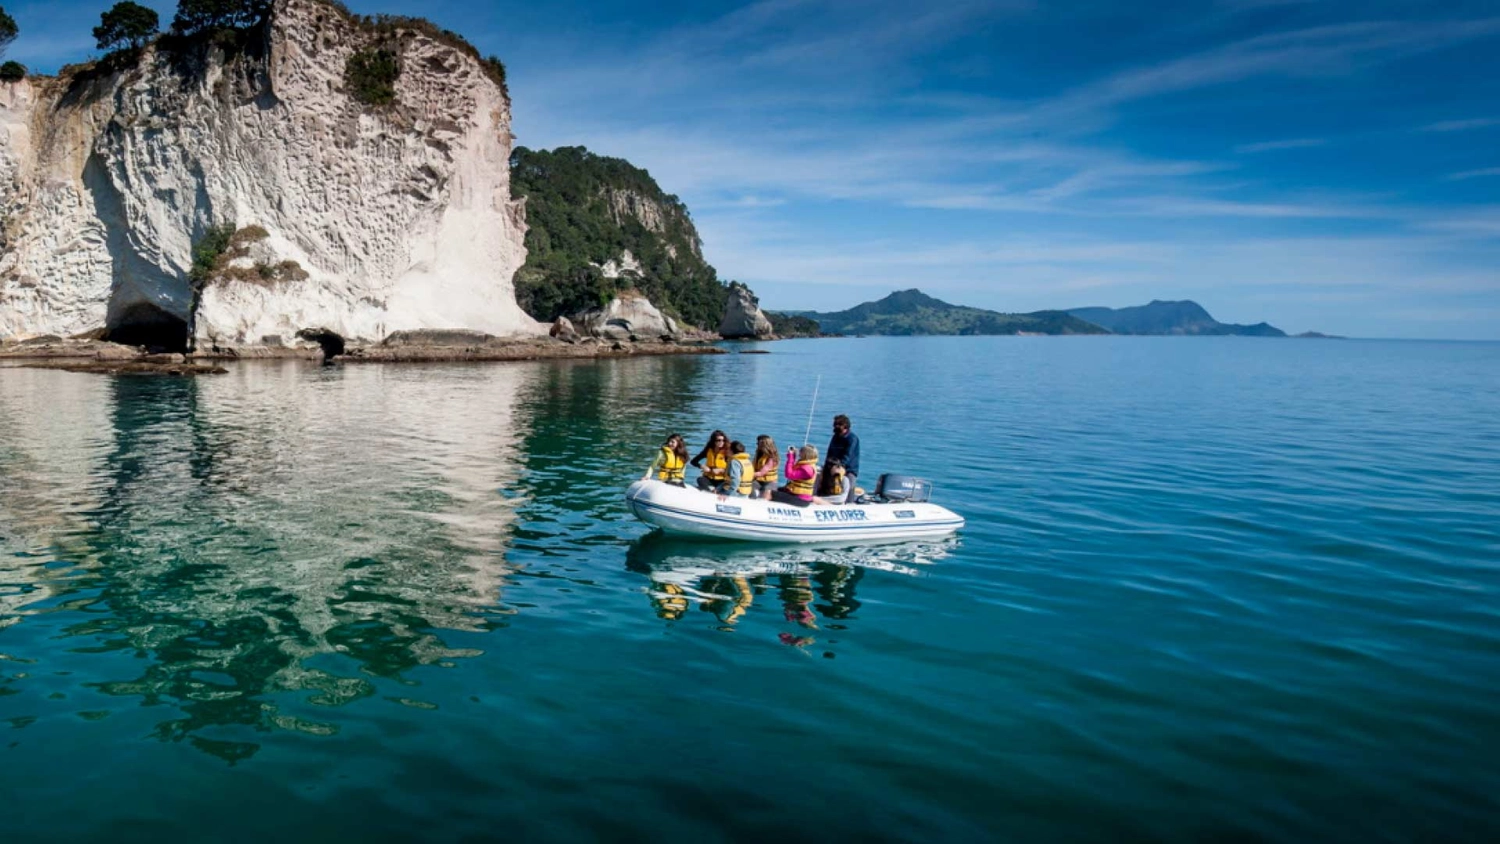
(1319, 165)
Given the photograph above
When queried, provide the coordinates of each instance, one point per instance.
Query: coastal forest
(585, 211)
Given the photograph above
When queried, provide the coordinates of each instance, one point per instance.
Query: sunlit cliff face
(401, 218)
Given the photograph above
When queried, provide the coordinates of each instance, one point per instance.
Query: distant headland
(912, 312)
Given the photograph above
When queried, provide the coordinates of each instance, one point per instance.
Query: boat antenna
(808, 435)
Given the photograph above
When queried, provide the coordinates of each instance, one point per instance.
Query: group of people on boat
(726, 468)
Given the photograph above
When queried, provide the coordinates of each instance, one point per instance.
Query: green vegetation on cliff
(8, 30)
(195, 16)
(585, 211)
(126, 26)
(371, 75)
(908, 312)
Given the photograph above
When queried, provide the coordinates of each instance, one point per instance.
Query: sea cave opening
(332, 344)
(149, 326)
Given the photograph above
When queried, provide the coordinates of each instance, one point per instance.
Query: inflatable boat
(890, 514)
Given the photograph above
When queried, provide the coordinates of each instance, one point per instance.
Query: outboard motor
(903, 488)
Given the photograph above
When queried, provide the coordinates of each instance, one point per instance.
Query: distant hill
(911, 312)
(1159, 317)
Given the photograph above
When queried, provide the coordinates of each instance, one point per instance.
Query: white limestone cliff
(401, 217)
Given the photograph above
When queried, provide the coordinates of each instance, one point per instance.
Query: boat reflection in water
(813, 585)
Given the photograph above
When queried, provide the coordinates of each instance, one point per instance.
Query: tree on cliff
(8, 30)
(126, 26)
(195, 16)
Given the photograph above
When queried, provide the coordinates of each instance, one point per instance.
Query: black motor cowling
(903, 488)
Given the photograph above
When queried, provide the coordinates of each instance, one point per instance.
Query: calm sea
(1209, 588)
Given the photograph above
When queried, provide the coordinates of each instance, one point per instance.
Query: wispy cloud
(1482, 222)
(1474, 174)
(1270, 146)
(1461, 125)
(1324, 50)
(821, 157)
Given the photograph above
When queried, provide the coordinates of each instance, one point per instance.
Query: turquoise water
(1210, 587)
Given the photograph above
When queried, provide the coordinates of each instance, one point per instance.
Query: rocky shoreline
(80, 355)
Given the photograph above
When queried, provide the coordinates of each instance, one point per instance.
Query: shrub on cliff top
(371, 75)
(388, 26)
(126, 25)
(12, 72)
(195, 16)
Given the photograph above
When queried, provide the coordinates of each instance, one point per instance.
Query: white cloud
(1474, 174)
(1324, 50)
(1461, 125)
(1271, 146)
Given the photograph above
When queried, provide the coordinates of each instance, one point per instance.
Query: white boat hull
(690, 512)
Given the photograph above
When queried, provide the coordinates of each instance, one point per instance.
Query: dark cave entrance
(332, 344)
(147, 325)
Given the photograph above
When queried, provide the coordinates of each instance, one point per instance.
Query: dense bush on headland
(584, 210)
(793, 325)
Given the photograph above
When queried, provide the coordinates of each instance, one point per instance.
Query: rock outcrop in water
(628, 315)
(742, 316)
(397, 218)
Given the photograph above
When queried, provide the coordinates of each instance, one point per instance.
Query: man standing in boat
(842, 458)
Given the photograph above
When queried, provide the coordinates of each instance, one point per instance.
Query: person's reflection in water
(735, 597)
(836, 587)
(669, 601)
(796, 596)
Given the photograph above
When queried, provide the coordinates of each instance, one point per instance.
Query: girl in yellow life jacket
(741, 473)
(766, 473)
(713, 462)
(671, 461)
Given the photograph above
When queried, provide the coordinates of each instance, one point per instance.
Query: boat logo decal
(725, 508)
(786, 514)
(841, 515)
(906, 514)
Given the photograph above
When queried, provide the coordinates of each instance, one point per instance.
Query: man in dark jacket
(842, 453)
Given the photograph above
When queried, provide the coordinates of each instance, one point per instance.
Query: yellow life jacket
(671, 467)
(747, 473)
(716, 465)
(774, 466)
(798, 487)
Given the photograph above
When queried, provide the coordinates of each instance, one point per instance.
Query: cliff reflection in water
(813, 586)
(230, 531)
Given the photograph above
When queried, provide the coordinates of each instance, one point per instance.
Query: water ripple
(1208, 589)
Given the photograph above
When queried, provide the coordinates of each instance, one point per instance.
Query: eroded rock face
(563, 330)
(742, 316)
(401, 219)
(627, 265)
(628, 315)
